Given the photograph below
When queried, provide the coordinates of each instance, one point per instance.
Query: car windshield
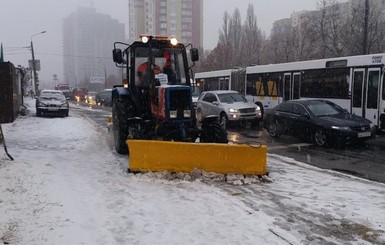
(324, 109)
(52, 96)
(231, 98)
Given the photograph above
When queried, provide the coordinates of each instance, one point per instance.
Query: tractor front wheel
(212, 132)
(119, 127)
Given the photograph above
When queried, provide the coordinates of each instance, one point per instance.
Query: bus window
(336, 83)
(272, 88)
(258, 88)
(312, 84)
(275, 88)
(250, 87)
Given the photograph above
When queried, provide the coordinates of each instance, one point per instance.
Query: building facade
(180, 18)
(88, 38)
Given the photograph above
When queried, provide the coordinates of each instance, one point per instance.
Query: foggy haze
(21, 19)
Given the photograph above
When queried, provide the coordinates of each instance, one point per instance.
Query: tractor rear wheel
(213, 133)
(119, 126)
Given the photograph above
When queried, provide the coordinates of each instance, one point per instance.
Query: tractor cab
(155, 60)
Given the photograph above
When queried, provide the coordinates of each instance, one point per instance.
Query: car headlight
(372, 125)
(41, 104)
(341, 128)
(257, 109)
(187, 113)
(64, 104)
(172, 114)
(232, 110)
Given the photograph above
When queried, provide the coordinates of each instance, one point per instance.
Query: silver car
(51, 102)
(229, 106)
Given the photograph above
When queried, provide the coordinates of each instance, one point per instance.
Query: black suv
(104, 97)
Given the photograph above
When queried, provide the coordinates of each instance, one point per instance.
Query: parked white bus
(356, 83)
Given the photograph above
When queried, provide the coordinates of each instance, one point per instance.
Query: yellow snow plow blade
(155, 156)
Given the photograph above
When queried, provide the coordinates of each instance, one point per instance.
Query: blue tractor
(154, 101)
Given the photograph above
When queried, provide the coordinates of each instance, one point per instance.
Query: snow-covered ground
(68, 186)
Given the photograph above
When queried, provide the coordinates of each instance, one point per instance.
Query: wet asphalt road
(365, 161)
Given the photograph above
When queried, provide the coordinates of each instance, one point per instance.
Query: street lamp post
(35, 86)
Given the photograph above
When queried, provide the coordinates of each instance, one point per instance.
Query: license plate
(364, 134)
(53, 109)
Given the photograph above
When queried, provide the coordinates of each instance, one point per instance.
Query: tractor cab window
(167, 66)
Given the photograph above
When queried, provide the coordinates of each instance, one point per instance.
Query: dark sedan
(321, 121)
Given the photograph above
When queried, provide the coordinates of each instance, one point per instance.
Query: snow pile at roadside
(207, 177)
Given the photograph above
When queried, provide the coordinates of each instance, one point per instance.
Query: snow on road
(67, 186)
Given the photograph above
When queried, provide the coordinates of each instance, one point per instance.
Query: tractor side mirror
(194, 54)
(117, 56)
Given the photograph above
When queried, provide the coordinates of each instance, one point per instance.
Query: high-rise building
(180, 18)
(88, 39)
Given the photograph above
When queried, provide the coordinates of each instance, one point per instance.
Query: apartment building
(180, 18)
(88, 39)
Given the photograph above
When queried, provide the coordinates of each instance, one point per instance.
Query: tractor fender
(209, 119)
(119, 91)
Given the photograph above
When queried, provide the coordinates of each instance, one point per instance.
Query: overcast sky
(20, 19)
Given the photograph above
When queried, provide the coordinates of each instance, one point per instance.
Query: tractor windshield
(167, 66)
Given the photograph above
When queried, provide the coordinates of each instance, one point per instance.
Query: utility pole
(35, 86)
(366, 27)
(35, 80)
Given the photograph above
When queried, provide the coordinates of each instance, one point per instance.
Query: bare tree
(332, 25)
(218, 59)
(235, 36)
(251, 39)
(224, 33)
(368, 27)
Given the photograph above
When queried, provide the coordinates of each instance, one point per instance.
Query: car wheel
(223, 121)
(38, 113)
(320, 137)
(273, 130)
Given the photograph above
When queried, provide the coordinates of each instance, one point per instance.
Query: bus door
(291, 86)
(372, 94)
(296, 85)
(358, 98)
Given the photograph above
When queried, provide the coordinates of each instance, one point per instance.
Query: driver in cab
(144, 73)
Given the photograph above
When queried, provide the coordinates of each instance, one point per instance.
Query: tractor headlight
(144, 39)
(187, 113)
(173, 114)
(174, 41)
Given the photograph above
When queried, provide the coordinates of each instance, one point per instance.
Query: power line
(61, 55)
